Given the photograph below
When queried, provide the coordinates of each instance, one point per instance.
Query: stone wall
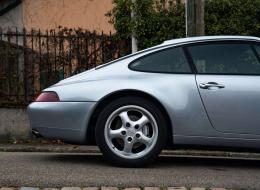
(14, 124)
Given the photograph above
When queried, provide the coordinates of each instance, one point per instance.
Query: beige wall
(49, 14)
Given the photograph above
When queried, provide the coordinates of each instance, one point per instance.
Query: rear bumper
(66, 121)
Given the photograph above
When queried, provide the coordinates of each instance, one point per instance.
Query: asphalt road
(59, 170)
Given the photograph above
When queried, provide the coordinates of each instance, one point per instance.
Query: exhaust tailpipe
(36, 133)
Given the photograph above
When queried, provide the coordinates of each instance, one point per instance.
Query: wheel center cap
(130, 132)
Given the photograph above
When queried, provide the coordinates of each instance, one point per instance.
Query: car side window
(170, 60)
(225, 58)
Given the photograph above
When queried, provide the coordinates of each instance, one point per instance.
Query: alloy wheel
(131, 132)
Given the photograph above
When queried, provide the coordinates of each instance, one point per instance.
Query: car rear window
(171, 60)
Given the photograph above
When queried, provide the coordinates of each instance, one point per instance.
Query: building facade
(50, 14)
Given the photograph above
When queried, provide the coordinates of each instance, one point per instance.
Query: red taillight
(48, 97)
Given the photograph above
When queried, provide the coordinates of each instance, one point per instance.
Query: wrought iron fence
(32, 60)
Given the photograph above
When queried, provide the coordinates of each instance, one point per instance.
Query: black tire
(153, 153)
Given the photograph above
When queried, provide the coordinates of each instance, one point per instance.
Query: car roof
(183, 41)
(207, 38)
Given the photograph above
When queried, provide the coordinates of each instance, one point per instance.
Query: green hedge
(232, 17)
(159, 20)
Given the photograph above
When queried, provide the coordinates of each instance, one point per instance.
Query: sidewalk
(65, 148)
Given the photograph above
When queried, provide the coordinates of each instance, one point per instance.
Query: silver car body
(226, 117)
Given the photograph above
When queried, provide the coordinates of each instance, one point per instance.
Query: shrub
(232, 17)
(155, 21)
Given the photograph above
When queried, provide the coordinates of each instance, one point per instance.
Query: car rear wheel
(131, 131)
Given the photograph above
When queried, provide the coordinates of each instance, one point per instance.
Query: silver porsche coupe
(190, 91)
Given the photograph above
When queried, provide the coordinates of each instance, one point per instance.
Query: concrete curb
(112, 188)
(48, 148)
(94, 150)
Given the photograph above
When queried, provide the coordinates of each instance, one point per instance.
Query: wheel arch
(122, 93)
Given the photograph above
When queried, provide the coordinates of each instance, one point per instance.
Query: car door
(228, 79)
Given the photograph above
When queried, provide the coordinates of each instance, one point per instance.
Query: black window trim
(238, 41)
(255, 52)
(192, 71)
(189, 59)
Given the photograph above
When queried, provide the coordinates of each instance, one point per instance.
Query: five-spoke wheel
(131, 131)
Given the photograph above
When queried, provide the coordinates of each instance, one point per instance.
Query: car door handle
(211, 84)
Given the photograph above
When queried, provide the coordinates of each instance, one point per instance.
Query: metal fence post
(25, 65)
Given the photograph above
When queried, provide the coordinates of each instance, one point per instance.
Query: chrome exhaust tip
(36, 133)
